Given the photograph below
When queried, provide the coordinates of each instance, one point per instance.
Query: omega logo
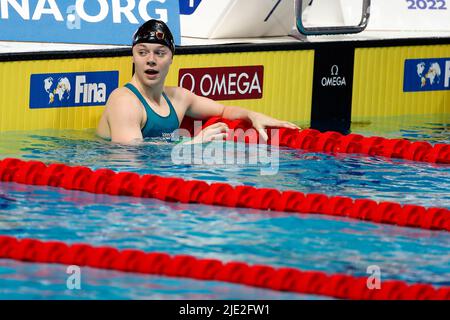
(334, 80)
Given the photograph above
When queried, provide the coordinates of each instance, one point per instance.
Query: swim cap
(154, 31)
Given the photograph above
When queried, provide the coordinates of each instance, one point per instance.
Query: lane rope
(339, 286)
(335, 142)
(105, 181)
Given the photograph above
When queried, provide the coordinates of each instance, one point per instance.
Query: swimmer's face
(152, 62)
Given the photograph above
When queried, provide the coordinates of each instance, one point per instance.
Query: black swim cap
(154, 31)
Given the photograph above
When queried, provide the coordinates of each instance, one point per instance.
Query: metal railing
(300, 5)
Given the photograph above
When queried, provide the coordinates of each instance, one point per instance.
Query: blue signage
(81, 21)
(188, 7)
(426, 75)
(78, 89)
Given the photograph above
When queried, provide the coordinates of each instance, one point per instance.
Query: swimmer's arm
(204, 108)
(124, 121)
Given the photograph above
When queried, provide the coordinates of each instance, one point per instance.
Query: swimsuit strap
(156, 124)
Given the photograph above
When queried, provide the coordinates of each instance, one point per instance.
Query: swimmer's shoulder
(121, 93)
(123, 98)
(124, 103)
(121, 104)
(175, 92)
(179, 95)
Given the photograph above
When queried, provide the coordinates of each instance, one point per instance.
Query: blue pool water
(308, 242)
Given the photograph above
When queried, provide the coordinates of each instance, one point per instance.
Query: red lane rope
(105, 181)
(334, 142)
(282, 279)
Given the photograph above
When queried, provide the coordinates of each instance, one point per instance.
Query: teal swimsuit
(156, 125)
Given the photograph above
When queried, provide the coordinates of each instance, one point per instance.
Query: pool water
(308, 242)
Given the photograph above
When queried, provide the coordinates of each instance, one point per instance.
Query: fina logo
(62, 89)
(427, 74)
(433, 74)
(72, 89)
(91, 92)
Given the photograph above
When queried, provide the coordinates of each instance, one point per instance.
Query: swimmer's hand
(260, 122)
(217, 131)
